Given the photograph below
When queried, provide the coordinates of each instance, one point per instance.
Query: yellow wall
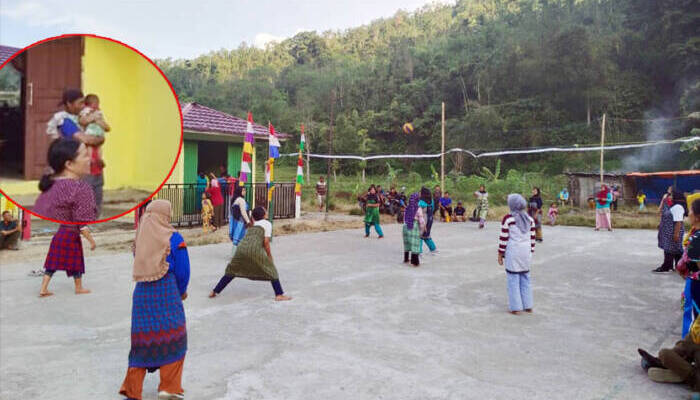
(141, 109)
(6, 205)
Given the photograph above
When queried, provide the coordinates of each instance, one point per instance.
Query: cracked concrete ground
(362, 325)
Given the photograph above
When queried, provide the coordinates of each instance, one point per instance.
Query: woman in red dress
(217, 200)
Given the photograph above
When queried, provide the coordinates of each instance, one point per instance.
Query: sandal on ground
(663, 375)
(163, 395)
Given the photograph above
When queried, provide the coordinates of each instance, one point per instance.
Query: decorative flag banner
(300, 165)
(575, 148)
(247, 159)
(270, 165)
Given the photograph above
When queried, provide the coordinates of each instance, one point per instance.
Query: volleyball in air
(408, 128)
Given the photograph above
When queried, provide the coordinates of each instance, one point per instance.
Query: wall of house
(142, 111)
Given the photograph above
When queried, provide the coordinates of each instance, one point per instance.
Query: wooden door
(51, 67)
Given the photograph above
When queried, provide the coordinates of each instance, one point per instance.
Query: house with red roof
(213, 139)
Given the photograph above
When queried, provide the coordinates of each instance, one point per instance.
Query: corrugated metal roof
(202, 119)
(7, 52)
(665, 174)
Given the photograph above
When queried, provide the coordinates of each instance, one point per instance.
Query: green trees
(513, 74)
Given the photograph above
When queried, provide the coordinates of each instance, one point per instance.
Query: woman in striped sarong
(413, 227)
(158, 328)
(66, 198)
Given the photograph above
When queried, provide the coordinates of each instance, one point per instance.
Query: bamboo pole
(442, 157)
(602, 143)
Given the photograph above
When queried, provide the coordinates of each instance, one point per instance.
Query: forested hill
(513, 74)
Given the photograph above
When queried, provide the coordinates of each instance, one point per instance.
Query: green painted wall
(191, 161)
(235, 153)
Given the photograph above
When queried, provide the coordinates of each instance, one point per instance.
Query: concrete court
(363, 325)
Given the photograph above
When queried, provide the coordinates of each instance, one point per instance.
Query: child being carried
(93, 122)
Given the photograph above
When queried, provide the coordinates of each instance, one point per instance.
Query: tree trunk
(363, 175)
(588, 110)
(478, 89)
(465, 97)
(458, 162)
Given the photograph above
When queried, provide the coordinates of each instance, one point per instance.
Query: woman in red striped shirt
(516, 245)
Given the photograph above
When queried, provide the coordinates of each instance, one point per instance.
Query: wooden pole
(602, 143)
(330, 152)
(442, 157)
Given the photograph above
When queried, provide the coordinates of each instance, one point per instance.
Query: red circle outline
(179, 109)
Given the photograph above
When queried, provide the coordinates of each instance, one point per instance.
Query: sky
(186, 29)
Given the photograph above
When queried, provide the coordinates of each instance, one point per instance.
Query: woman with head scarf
(602, 208)
(671, 231)
(534, 209)
(413, 226)
(67, 198)
(158, 329)
(427, 204)
(516, 245)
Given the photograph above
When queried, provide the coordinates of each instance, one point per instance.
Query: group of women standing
(161, 266)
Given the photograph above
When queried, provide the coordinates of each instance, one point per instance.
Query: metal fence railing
(186, 200)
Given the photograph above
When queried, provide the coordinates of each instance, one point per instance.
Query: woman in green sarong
(372, 212)
(253, 259)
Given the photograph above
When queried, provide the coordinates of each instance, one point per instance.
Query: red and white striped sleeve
(532, 234)
(505, 233)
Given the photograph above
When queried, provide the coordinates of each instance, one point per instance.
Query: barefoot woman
(65, 197)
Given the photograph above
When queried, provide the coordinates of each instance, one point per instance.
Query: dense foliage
(513, 74)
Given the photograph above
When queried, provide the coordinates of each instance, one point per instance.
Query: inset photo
(89, 128)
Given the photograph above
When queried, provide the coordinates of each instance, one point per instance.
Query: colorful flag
(300, 165)
(274, 143)
(247, 159)
(270, 165)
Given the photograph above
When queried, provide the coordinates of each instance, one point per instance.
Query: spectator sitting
(460, 213)
(446, 207)
(9, 232)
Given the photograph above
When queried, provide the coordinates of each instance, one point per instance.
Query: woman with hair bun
(66, 198)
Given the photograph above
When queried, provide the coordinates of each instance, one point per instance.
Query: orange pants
(170, 380)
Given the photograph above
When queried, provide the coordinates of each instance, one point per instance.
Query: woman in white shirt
(671, 231)
(238, 217)
(253, 259)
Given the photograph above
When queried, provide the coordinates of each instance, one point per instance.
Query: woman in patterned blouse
(66, 199)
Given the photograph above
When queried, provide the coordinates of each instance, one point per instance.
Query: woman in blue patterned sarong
(158, 329)
(238, 218)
